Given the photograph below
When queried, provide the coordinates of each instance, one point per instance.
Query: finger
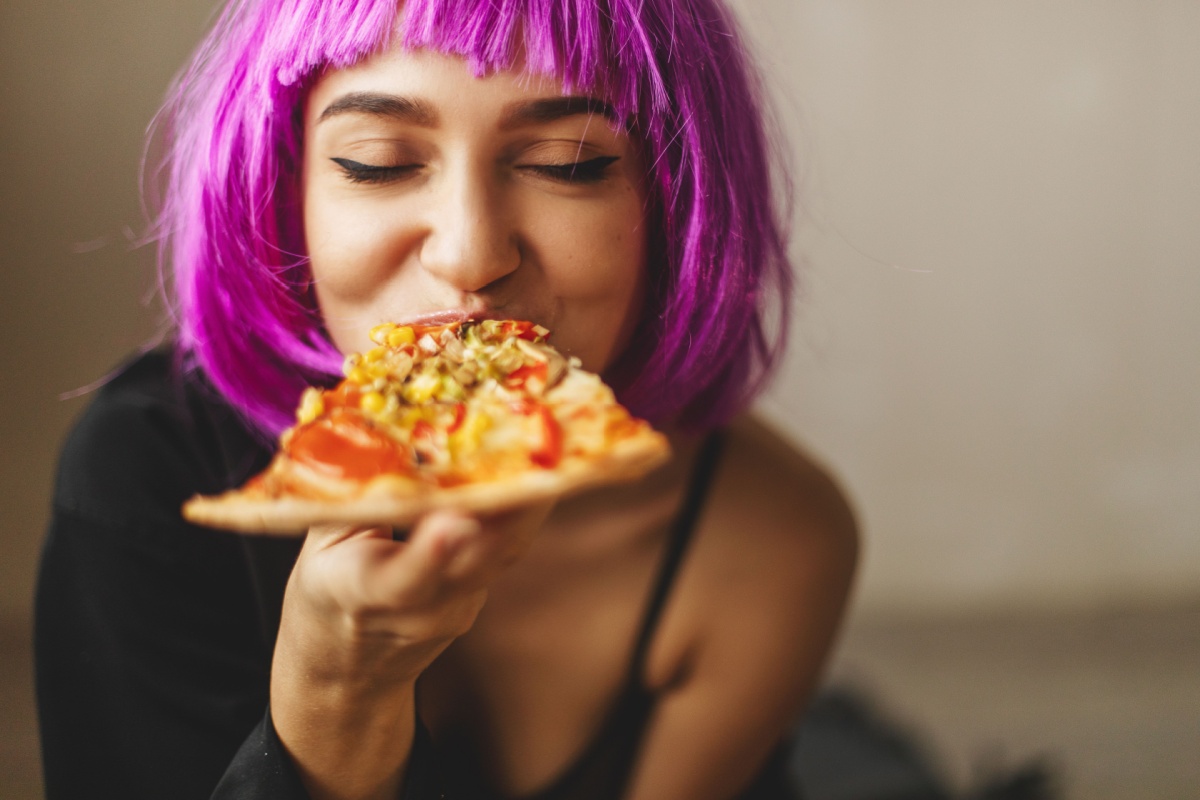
(420, 569)
(338, 563)
(507, 537)
(324, 535)
(481, 557)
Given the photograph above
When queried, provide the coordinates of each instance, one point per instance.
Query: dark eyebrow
(554, 108)
(382, 105)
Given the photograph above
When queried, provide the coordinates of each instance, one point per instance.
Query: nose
(471, 241)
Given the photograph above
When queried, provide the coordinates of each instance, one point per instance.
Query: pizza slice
(482, 416)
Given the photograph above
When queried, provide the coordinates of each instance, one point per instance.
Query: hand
(365, 602)
(363, 616)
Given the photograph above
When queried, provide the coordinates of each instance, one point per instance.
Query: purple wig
(230, 222)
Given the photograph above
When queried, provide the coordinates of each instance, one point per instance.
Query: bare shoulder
(772, 567)
(776, 514)
(769, 479)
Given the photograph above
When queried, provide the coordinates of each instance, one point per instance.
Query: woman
(596, 166)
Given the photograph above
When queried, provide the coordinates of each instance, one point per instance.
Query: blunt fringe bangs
(229, 226)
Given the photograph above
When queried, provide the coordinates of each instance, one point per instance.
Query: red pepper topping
(422, 430)
(519, 376)
(550, 453)
(460, 413)
(434, 330)
(518, 328)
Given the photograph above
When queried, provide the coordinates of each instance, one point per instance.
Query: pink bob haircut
(230, 233)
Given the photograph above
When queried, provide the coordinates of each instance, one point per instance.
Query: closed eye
(591, 171)
(357, 172)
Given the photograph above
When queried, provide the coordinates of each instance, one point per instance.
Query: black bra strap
(602, 769)
(681, 535)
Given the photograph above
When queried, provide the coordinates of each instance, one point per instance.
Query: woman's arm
(752, 622)
(362, 618)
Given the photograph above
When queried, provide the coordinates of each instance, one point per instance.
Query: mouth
(450, 315)
(443, 317)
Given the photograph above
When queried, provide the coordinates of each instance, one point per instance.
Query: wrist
(347, 741)
(311, 662)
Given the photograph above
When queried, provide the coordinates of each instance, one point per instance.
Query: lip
(449, 315)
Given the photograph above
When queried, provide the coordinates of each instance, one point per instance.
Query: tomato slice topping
(345, 445)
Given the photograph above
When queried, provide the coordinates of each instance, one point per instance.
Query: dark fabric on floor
(847, 750)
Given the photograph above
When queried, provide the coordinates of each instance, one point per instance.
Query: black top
(603, 768)
(153, 637)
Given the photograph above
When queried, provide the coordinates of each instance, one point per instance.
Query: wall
(998, 339)
(80, 84)
(996, 345)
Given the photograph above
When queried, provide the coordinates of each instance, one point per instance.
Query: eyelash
(593, 170)
(358, 172)
(577, 172)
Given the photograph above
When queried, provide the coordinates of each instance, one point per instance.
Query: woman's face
(431, 195)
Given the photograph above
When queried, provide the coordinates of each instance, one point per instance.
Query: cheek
(622, 270)
(602, 255)
(351, 253)
(596, 265)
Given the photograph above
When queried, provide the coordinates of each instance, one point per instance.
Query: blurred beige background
(997, 342)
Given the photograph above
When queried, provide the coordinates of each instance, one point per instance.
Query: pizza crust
(398, 502)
